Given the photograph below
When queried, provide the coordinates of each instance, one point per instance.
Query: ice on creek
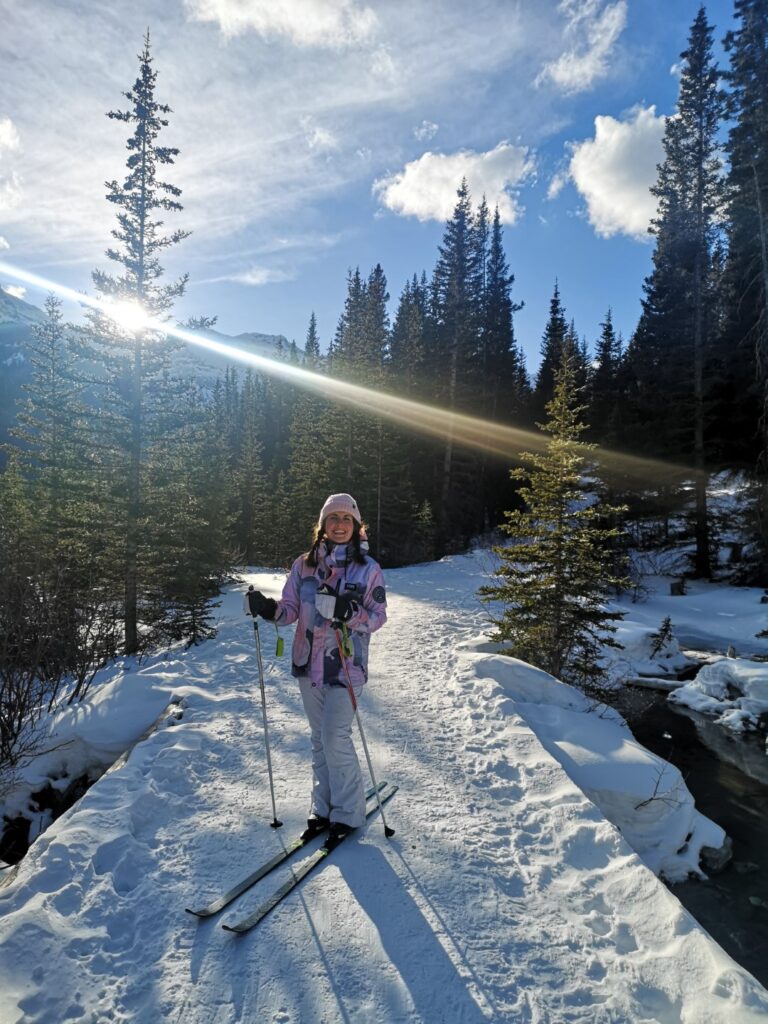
(735, 690)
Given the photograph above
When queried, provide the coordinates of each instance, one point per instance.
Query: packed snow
(507, 894)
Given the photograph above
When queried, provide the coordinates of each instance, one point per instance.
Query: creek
(727, 774)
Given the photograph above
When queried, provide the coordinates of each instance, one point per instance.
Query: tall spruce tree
(308, 480)
(604, 393)
(253, 497)
(457, 310)
(411, 456)
(130, 363)
(45, 425)
(673, 343)
(358, 441)
(552, 344)
(553, 581)
(744, 350)
(505, 387)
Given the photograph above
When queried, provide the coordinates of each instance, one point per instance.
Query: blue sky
(321, 135)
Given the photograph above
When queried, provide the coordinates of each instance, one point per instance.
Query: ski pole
(388, 832)
(275, 822)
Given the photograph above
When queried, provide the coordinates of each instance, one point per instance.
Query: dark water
(728, 777)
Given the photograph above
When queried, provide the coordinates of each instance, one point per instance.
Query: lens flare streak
(464, 431)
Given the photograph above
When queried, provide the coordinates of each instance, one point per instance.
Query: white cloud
(383, 65)
(318, 138)
(593, 31)
(10, 182)
(615, 170)
(426, 131)
(9, 136)
(426, 188)
(15, 290)
(4, 243)
(255, 276)
(324, 23)
(557, 184)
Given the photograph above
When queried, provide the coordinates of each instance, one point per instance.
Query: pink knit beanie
(340, 503)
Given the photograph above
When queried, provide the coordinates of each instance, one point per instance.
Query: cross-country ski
(293, 847)
(298, 874)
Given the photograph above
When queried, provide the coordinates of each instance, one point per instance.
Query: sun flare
(131, 316)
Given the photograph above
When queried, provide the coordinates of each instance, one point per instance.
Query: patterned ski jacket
(315, 649)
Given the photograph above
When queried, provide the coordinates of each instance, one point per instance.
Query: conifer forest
(130, 493)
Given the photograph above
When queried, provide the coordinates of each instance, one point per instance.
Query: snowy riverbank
(506, 894)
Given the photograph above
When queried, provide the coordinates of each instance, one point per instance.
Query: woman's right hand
(255, 603)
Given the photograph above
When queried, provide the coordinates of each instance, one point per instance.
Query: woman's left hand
(345, 608)
(337, 607)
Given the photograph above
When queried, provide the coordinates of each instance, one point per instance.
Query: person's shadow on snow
(440, 985)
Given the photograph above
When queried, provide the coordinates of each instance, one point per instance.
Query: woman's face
(339, 527)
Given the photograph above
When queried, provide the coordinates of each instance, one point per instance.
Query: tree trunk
(134, 506)
(702, 564)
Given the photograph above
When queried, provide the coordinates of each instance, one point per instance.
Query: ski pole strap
(350, 688)
(279, 643)
(346, 644)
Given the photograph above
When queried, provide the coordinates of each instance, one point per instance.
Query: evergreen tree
(604, 394)
(195, 527)
(308, 479)
(28, 633)
(410, 456)
(673, 343)
(72, 563)
(357, 441)
(505, 389)
(554, 580)
(45, 422)
(744, 348)
(252, 513)
(457, 309)
(129, 382)
(552, 344)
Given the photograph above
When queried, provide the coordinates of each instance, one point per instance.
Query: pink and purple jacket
(315, 648)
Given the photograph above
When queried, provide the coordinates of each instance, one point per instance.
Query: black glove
(345, 608)
(258, 604)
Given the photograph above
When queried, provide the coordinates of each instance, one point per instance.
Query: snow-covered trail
(505, 895)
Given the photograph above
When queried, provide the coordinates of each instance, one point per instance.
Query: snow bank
(644, 796)
(733, 689)
(644, 657)
(86, 738)
(709, 617)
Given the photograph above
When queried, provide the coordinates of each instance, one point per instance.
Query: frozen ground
(506, 894)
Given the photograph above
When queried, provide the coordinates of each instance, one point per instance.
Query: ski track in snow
(504, 896)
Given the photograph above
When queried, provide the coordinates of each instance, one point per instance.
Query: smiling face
(339, 527)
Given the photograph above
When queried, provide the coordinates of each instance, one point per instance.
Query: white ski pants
(337, 785)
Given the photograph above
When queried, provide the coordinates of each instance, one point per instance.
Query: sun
(131, 316)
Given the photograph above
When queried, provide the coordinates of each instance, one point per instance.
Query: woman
(336, 591)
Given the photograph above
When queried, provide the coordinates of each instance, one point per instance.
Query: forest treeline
(129, 494)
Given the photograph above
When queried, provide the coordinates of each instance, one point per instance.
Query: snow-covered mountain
(17, 312)
(204, 365)
(18, 318)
